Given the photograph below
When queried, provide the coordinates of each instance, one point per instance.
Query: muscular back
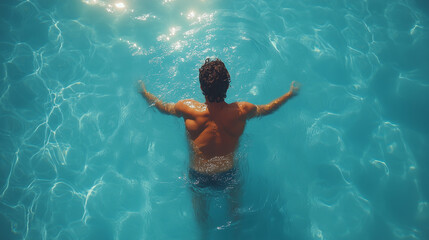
(213, 130)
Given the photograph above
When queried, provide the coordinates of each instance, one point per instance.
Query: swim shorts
(218, 181)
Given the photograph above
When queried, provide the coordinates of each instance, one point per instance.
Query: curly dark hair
(214, 80)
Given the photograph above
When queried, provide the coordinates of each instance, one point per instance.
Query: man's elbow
(262, 110)
(170, 108)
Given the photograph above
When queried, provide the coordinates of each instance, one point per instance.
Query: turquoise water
(83, 156)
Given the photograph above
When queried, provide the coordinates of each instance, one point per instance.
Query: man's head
(214, 80)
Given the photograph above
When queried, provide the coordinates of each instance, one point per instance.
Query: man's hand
(294, 88)
(142, 87)
(152, 99)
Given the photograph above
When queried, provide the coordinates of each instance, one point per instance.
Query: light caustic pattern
(83, 157)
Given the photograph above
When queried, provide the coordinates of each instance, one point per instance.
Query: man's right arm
(261, 110)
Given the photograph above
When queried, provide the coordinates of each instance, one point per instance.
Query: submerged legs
(234, 202)
(226, 186)
(199, 202)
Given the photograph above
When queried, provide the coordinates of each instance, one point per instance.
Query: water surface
(83, 156)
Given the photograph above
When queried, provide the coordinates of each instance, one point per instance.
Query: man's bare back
(213, 130)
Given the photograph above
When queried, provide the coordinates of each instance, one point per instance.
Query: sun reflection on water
(190, 15)
(120, 5)
(111, 7)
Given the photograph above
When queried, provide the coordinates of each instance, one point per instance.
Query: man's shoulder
(189, 103)
(246, 106)
(190, 106)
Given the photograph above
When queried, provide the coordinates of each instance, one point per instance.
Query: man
(214, 129)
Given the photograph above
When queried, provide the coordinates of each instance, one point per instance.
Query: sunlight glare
(120, 5)
(191, 15)
(174, 30)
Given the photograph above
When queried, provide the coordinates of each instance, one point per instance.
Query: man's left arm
(167, 108)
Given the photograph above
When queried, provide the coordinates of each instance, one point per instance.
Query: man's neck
(221, 103)
(215, 106)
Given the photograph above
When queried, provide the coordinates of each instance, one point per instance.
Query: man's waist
(213, 165)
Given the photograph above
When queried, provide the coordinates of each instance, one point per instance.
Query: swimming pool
(82, 156)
